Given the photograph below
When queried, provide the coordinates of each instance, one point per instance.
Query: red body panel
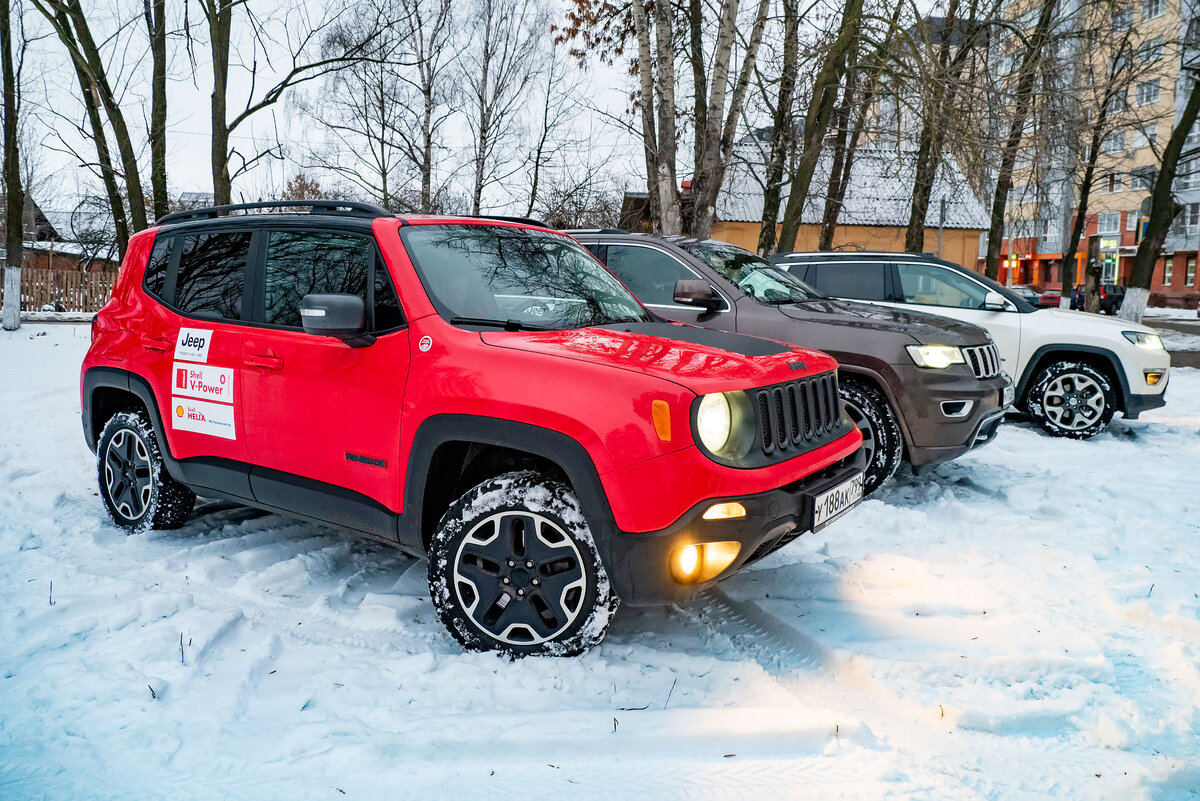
(304, 402)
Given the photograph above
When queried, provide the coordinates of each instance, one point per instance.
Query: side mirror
(696, 292)
(341, 316)
(994, 301)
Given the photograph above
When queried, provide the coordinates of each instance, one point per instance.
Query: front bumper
(638, 563)
(933, 437)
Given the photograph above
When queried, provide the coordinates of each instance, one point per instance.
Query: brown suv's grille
(984, 360)
(795, 416)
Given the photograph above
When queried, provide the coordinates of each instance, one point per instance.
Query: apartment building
(1144, 43)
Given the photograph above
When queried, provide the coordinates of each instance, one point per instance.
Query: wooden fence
(64, 290)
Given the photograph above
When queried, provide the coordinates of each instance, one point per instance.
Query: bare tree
(155, 14)
(496, 65)
(14, 204)
(782, 133)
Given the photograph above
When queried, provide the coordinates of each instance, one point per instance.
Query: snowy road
(1025, 622)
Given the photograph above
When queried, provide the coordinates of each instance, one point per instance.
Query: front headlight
(714, 421)
(1144, 340)
(938, 357)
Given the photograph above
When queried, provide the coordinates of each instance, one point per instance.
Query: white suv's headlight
(1144, 340)
(714, 421)
(939, 357)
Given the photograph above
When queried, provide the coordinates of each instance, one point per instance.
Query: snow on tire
(513, 568)
(136, 489)
(1071, 399)
(869, 410)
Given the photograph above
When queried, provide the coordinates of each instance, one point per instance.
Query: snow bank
(1023, 623)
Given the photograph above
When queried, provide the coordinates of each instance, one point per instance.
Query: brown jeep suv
(921, 388)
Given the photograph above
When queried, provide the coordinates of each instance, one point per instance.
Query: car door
(314, 406)
(940, 290)
(651, 273)
(193, 346)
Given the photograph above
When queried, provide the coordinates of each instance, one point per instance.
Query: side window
(156, 266)
(650, 274)
(303, 263)
(211, 276)
(930, 285)
(862, 281)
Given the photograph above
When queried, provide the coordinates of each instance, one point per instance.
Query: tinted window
(757, 277)
(931, 285)
(849, 280)
(156, 266)
(501, 274)
(211, 275)
(303, 263)
(649, 274)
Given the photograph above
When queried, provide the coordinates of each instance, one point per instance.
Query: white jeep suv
(1072, 370)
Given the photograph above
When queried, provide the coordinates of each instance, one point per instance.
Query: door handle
(269, 362)
(154, 343)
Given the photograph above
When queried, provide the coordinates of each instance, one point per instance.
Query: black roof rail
(595, 231)
(333, 207)
(502, 218)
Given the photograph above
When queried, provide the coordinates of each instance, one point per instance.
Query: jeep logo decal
(797, 365)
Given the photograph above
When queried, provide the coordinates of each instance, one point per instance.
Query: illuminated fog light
(1152, 377)
(692, 564)
(725, 511)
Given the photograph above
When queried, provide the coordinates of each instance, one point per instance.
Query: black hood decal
(706, 337)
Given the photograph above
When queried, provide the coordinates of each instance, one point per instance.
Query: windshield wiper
(507, 325)
(787, 301)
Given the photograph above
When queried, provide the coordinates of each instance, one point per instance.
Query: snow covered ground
(1023, 623)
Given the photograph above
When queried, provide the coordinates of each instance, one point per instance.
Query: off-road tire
(481, 540)
(1096, 401)
(870, 411)
(137, 491)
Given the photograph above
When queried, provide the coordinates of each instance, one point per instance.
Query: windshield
(517, 277)
(757, 277)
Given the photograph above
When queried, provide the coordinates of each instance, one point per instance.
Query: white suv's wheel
(1071, 399)
(513, 567)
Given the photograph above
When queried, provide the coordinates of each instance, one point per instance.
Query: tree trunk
(1163, 209)
(665, 176)
(156, 27)
(219, 14)
(1030, 64)
(816, 121)
(781, 131)
(641, 26)
(14, 206)
(720, 134)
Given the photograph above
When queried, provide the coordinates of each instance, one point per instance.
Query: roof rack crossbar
(344, 207)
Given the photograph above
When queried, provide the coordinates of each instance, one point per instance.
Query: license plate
(832, 503)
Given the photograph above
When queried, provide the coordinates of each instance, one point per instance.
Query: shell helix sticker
(202, 381)
(192, 344)
(202, 417)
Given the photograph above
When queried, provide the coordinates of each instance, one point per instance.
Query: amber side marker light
(691, 564)
(1153, 378)
(660, 414)
(725, 511)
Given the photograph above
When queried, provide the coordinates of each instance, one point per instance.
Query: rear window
(212, 274)
(156, 266)
(857, 281)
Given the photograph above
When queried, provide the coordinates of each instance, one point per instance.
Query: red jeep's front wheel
(513, 568)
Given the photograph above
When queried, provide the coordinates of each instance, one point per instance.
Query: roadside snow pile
(1161, 313)
(1023, 623)
(1176, 340)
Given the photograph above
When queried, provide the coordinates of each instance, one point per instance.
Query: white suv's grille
(984, 360)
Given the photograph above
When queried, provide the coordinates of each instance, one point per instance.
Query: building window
(1148, 92)
(1122, 19)
(1187, 176)
(1142, 178)
(1108, 222)
(1151, 50)
(1188, 221)
(1112, 182)
(1145, 135)
(1131, 220)
(1152, 9)
(1114, 141)
(1167, 267)
(1191, 271)
(1118, 102)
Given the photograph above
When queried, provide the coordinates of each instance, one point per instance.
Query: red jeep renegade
(478, 390)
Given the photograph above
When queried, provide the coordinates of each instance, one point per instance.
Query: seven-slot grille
(795, 416)
(984, 360)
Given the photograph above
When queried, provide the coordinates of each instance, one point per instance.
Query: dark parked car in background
(1026, 293)
(1111, 297)
(921, 388)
